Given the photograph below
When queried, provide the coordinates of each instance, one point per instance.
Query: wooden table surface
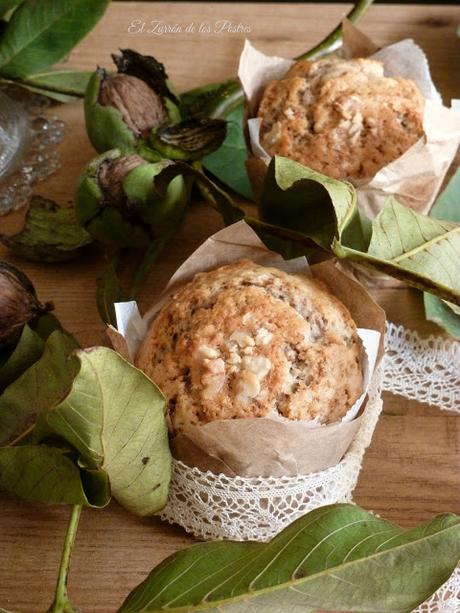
(411, 471)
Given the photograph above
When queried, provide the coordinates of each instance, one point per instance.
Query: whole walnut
(140, 106)
(18, 303)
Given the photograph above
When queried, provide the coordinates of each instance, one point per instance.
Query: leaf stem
(333, 40)
(233, 96)
(108, 287)
(151, 254)
(21, 436)
(232, 99)
(61, 603)
(65, 91)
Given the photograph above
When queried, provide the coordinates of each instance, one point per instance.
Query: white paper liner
(416, 176)
(130, 324)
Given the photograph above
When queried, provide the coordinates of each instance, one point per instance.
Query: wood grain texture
(411, 470)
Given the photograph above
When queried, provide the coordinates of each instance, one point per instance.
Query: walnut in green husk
(117, 203)
(122, 108)
(136, 109)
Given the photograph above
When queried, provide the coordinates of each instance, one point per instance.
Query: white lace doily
(426, 369)
(215, 507)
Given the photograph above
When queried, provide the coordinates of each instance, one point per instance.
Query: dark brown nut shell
(18, 303)
(141, 108)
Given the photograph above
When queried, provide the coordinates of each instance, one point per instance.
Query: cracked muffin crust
(343, 118)
(249, 341)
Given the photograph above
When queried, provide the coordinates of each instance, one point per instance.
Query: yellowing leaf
(414, 247)
(114, 417)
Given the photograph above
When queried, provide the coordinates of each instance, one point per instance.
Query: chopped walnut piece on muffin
(343, 118)
(250, 341)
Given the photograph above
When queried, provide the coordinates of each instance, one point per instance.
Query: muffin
(250, 341)
(343, 118)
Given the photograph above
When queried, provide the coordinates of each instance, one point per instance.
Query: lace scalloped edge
(426, 369)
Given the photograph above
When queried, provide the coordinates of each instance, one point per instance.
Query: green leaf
(42, 33)
(412, 232)
(60, 85)
(47, 474)
(447, 207)
(50, 234)
(45, 325)
(113, 415)
(288, 243)
(417, 249)
(27, 351)
(107, 415)
(213, 100)
(441, 313)
(46, 382)
(6, 6)
(67, 82)
(109, 291)
(422, 251)
(65, 98)
(228, 163)
(301, 199)
(336, 558)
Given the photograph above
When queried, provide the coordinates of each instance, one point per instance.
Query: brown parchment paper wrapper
(416, 176)
(263, 447)
(259, 446)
